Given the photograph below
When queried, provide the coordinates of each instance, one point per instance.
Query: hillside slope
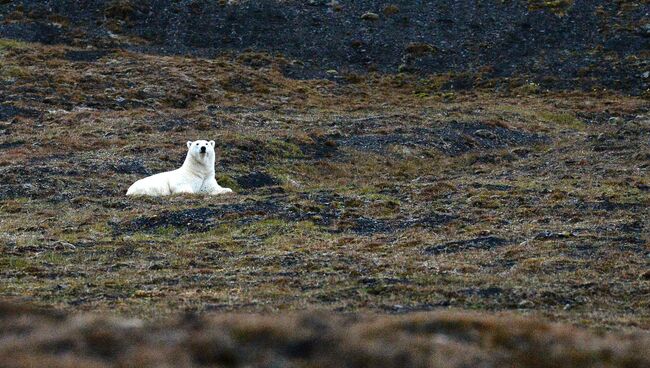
(375, 195)
(583, 44)
(447, 191)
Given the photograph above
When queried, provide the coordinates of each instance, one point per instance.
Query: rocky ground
(581, 44)
(361, 194)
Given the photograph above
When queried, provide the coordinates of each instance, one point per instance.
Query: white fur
(195, 176)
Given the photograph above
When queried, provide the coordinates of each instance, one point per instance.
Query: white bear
(195, 176)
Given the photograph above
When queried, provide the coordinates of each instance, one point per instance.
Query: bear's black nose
(202, 149)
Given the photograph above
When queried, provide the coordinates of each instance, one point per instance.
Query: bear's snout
(202, 149)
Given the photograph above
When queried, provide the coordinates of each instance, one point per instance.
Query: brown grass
(39, 338)
(373, 210)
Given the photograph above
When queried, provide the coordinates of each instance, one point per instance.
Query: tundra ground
(358, 196)
(375, 195)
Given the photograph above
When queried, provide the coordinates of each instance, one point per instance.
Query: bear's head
(201, 151)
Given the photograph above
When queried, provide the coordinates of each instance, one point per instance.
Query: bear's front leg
(221, 191)
(211, 187)
(183, 189)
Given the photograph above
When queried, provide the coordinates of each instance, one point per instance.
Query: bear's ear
(211, 143)
(189, 143)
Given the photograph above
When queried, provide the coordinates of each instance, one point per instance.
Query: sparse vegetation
(121, 9)
(419, 48)
(43, 338)
(337, 202)
(391, 9)
(562, 119)
(360, 194)
(558, 7)
(8, 44)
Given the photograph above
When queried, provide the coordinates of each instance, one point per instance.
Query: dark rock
(203, 219)
(452, 139)
(369, 226)
(86, 55)
(256, 180)
(507, 37)
(156, 266)
(321, 148)
(7, 112)
(488, 292)
(6, 145)
(34, 32)
(130, 166)
(498, 187)
(485, 243)
(199, 219)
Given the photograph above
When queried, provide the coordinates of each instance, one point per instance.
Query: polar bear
(195, 176)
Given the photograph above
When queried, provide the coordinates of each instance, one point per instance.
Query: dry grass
(315, 339)
(382, 200)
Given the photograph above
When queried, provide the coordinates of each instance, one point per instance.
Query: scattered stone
(526, 304)
(547, 235)
(370, 16)
(62, 245)
(484, 243)
(484, 133)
